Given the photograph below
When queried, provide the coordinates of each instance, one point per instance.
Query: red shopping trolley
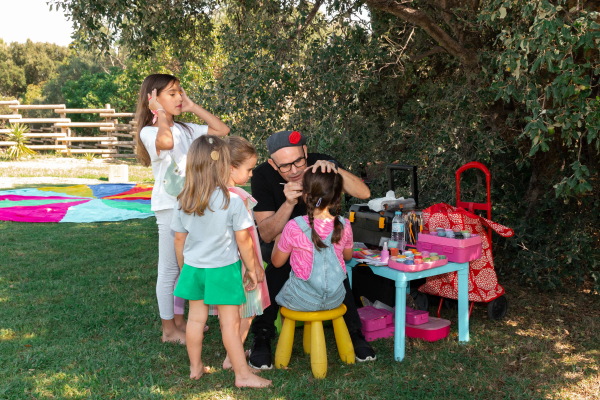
(483, 282)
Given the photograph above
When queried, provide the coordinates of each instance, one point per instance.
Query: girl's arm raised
(164, 137)
(278, 257)
(179, 243)
(216, 127)
(246, 248)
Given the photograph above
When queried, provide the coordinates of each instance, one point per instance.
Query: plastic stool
(314, 338)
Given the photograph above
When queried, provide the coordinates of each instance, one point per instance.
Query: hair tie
(318, 203)
(214, 155)
(155, 113)
(210, 140)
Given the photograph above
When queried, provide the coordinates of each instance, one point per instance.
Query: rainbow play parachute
(79, 203)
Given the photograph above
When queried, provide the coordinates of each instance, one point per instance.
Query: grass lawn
(79, 319)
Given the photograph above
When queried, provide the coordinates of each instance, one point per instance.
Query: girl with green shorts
(210, 225)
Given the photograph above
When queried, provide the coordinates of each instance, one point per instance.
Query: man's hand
(326, 166)
(292, 191)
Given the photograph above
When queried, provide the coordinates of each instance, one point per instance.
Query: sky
(31, 19)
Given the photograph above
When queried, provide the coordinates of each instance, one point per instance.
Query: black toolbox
(369, 226)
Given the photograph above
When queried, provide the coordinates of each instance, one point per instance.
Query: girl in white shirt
(164, 143)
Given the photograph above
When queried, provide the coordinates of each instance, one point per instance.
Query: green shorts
(222, 285)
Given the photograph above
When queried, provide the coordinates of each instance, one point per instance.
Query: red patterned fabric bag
(483, 283)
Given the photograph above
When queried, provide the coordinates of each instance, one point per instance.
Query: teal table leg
(463, 305)
(400, 323)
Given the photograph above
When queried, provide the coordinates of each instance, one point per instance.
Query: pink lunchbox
(416, 317)
(374, 319)
(457, 250)
(386, 332)
(435, 329)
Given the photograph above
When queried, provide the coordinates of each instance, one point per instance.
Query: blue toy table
(402, 280)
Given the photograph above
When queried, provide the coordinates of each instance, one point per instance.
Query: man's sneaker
(362, 349)
(260, 351)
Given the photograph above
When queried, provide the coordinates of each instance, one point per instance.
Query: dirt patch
(8, 183)
(53, 162)
(42, 170)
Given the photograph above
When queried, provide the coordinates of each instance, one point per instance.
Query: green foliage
(547, 62)
(89, 157)
(137, 24)
(17, 135)
(29, 63)
(95, 90)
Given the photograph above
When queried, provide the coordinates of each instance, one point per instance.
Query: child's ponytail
(336, 210)
(310, 210)
(323, 190)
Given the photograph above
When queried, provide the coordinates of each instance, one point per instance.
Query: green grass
(79, 320)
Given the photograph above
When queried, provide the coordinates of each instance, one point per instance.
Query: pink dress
(258, 299)
(294, 241)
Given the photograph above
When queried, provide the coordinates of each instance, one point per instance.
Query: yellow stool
(314, 338)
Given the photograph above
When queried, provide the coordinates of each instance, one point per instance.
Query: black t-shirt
(267, 186)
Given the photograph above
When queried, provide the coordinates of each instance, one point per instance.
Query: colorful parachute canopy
(79, 203)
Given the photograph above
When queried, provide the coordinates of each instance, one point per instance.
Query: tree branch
(422, 20)
(307, 22)
(435, 50)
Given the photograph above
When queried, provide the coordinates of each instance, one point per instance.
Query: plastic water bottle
(398, 228)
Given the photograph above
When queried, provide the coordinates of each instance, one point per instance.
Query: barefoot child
(243, 160)
(210, 224)
(162, 142)
(318, 243)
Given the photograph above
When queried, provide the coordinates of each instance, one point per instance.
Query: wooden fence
(116, 140)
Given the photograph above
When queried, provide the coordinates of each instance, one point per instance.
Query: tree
(23, 64)
(433, 83)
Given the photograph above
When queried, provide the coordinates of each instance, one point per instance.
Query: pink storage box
(415, 267)
(416, 317)
(435, 329)
(374, 319)
(457, 250)
(386, 332)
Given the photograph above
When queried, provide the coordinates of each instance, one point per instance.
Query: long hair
(207, 169)
(239, 150)
(143, 115)
(326, 186)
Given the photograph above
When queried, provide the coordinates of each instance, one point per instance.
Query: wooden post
(62, 129)
(111, 133)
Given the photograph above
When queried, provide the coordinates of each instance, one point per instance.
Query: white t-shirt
(210, 242)
(182, 140)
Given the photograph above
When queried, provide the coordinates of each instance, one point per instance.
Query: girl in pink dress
(243, 160)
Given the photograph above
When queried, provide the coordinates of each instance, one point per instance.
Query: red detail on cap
(295, 137)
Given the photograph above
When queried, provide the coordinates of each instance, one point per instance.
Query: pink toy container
(416, 317)
(386, 332)
(457, 250)
(435, 329)
(374, 319)
(415, 267)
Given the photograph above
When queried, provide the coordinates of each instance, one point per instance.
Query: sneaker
(260, 351)
(362, 349)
